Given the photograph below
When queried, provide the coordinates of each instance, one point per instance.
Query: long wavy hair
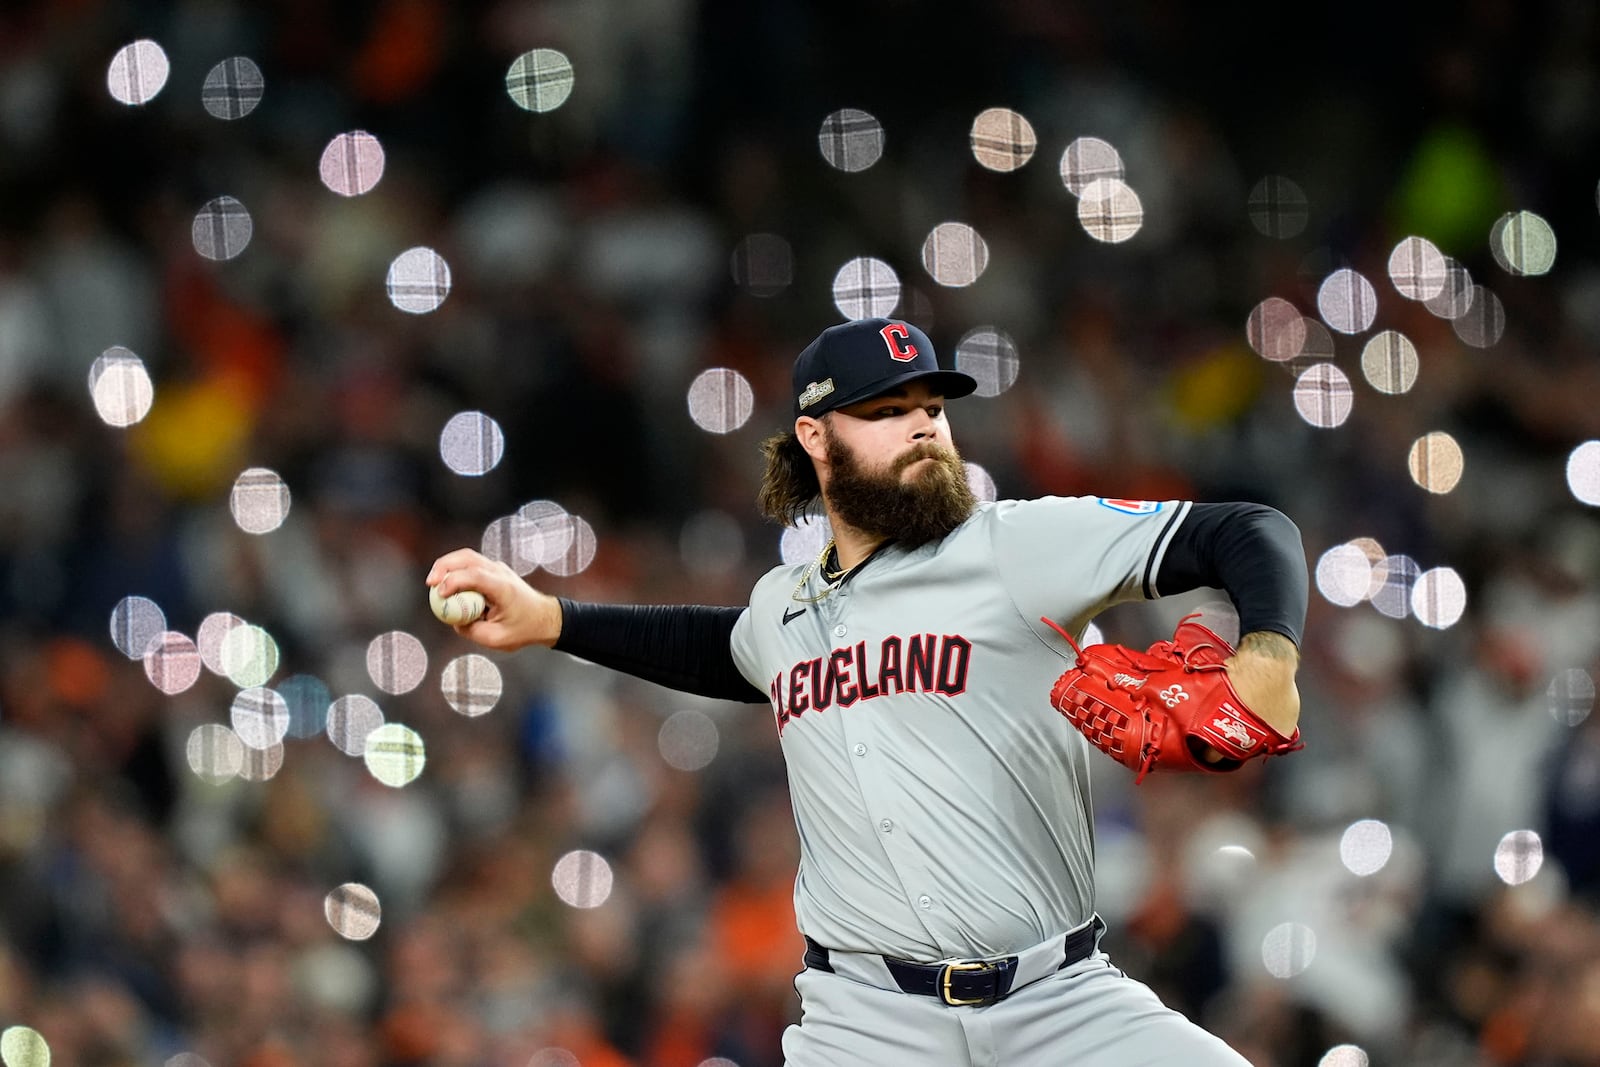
(789, 486)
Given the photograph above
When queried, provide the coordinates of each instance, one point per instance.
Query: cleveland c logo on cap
(898, 338)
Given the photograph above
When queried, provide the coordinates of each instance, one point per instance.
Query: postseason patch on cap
(1130, 507)
(815, 392)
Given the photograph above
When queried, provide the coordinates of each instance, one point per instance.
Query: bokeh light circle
(394, 754)
(307, 697)
(1344, 575)
(688, 740)
(1417, 268)
(172, 662)
(1571, 696)
(1400, 573)
(212, 633)
(1347, 301)
(512, 540)
(954, 254)
(120, 386)
(214, 753)
(260, 717)
(187, 1059)
(248, 655)
(137, 72)
(866, 288)
(232, 88)
(802, 542)
(1276, 330)
(990, 356)
(851, 140)
(397, 662)
(1365, 846)
(1377, 559)
(350, 719)
(1523, 243)
(471, 684)
(1518, 857)
(582, 879)
(1323, 396)
(1278, 207)
(721, 400)
(221, 229)
(472, 443)
(1439, 598)
(1436, 462)
(136, 623)
(547, 530)
(1087, 160)
(540, 80)
(23, 1046)
(1390, 363)
(1002, 139)
(981, 482)
(1318, 347)
(353, 911)
(579, 553)
(259, 500)
(1455, 295)
(1483, 322)
(1110, 211)
(1288, 949)
(1583, 473)
(351, 163)
(418, 280)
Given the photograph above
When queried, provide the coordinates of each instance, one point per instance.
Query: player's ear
(812, 435)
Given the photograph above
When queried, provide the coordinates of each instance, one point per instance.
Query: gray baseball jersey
(942, 804)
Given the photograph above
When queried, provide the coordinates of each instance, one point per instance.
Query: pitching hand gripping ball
(457, 609)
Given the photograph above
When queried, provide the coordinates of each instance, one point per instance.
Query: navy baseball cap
(856, 360)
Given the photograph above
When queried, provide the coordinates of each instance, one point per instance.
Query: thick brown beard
(879, 504)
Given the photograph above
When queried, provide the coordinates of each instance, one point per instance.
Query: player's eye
(935, 410)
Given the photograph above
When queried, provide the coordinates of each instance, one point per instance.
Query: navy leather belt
(971, 983)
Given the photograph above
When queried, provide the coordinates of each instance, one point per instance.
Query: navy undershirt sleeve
(1250, 551)
(681, 646)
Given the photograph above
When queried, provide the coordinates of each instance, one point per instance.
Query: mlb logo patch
(1130, 507)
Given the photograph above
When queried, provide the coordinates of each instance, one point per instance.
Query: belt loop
(817, 957)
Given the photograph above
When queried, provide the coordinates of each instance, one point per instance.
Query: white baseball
(457, 609)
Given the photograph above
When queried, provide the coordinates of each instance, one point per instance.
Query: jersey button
(861, 750)
(886, 825)
(840, 630)
(925, 902)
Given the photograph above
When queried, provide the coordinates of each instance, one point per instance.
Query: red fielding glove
(1159, 709)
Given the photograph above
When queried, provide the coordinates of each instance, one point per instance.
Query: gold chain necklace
(828, 587)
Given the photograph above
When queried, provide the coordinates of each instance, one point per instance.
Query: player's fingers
(458, 560)
(489, 577)
(515, 613)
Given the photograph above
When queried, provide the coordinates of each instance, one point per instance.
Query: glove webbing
(1106, 727)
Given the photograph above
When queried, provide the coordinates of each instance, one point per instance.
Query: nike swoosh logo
(790, 616)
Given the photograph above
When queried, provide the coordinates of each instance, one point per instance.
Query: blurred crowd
(148, 916)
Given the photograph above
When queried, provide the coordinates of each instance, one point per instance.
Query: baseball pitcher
(936, 713)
